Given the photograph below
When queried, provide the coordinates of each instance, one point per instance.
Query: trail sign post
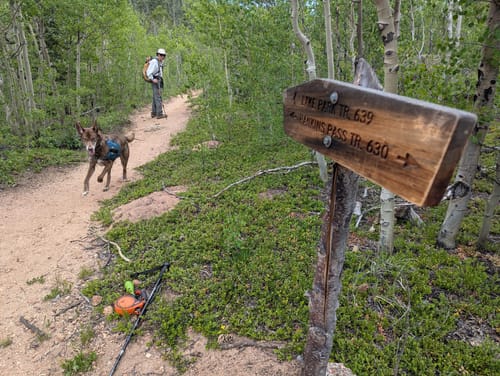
(406, 145)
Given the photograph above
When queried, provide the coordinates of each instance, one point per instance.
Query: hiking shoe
(153, 115)
(162, 116)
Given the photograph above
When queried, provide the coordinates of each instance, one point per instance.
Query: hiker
(155, 74)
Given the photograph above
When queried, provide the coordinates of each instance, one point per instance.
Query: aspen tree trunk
(458, 27)
(386, 24)
(387, 219)
(397, 17)
(41, 49)
(38, 31)
(453, 29)
(329, 43)
(449, 20)
(327, 285)
(21, 74)
(26, 95)
(6, 108)
(78, 73)
(353, 31)
(483, 101)
(28, 78)
(102, 63)
(359, 30)
(311, 71)
(226, 68)
(228, 81)
(414, 13)
(491, 206)
(8, 99)
(412, 21)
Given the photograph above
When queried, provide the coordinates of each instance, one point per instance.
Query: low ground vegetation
(243, 262)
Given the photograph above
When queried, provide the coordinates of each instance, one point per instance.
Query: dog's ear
(95, 127)
(79, 128)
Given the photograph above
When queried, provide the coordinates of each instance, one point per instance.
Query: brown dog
(103, 149)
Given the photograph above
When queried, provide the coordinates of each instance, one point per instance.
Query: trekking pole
(156, 287)
(161, 96)
(163, 107)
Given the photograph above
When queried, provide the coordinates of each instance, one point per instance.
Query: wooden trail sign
(406, 145)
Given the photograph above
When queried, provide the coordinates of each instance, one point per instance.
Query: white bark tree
(491, 206)
(329, 43)
(20, 82)
(454, 21)
(387, 24)
(311, 71)
(483, 100)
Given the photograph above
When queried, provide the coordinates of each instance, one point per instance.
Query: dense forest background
(63, 61)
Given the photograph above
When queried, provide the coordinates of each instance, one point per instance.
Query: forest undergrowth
(242, 262)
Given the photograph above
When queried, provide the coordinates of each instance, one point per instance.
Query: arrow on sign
(408, 161)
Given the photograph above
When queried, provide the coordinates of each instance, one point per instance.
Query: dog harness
(114, 150)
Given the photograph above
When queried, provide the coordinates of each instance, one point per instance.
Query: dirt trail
(44, 228)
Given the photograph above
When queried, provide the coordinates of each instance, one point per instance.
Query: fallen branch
(171, 193)
(263, 172)
(67, 308)
(228, 341)
(116, 246)
(108, 242)
(40, 335)
(108, 260)
(85, 298)
(95, 109)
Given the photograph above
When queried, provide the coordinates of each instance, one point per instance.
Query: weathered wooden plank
(408, 146)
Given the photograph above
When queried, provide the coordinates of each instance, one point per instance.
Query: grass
(19, 159)
(40, 280)
(60, 289)
(81, 363)
(85, 273)
(242, 262)
(5, 342)
(87, 334)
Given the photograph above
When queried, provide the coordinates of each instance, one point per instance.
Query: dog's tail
(130, 137)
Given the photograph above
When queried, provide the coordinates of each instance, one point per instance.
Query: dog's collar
(113, 150)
